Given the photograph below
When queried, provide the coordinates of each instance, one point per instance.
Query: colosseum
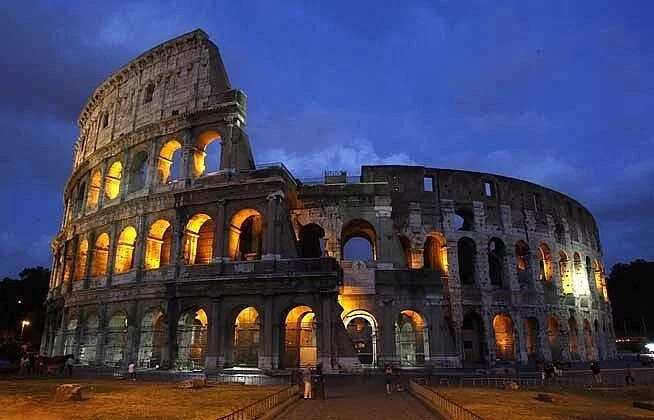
(177, 251)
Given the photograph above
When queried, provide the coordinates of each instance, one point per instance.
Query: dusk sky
(558, 93)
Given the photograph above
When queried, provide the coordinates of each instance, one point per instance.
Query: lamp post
(24, 323)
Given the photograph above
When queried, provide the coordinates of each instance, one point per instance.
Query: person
(131, 369)
(629, 376)
(594, 367)
(24, 364)
(69, 366)
(306, 379)
(319, 383)
(388, 372)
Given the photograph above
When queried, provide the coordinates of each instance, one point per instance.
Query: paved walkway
(359, 399)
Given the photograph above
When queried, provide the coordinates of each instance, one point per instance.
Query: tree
(631, 288)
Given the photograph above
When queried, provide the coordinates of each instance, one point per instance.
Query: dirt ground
(117, 399)
(494, 404)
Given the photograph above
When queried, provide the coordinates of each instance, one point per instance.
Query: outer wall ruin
(177, 251)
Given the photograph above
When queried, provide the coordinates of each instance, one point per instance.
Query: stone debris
(68, 392)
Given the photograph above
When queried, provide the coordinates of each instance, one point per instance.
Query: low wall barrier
(263, 406)
(444, 406)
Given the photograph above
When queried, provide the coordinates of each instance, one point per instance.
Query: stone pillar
(101, 193)
(177, 252)
(61, 333)
(188, 147)
(270, 245)
(124, 179)
(169, 351)
(78, 333)
(89, 259)
(383, 249)
(141, 241)
(111, 258)
(520, 338)
(151, 171)
(215, 342)
(269, 356)
(133, 329)
(326, 330)
(544, 351)
(102, 334)
(388, 333)
(222, 230)
(489, 336)
(228, 147)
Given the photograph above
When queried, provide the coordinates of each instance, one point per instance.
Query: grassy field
(117, 399)
(494, 404)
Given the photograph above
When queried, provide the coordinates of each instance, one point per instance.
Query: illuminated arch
(359, 241)
(573, 338)
(203, 141)
(168, 164)
(81, 260)
(245, 235)
(564, 273)
(522, 255)
(300, 348)
(435, 253)
(198, 239)
(545, 263)
(100, 255)
(361, 326)
(152, 339)
(112, 180)
(553, 337)
(115, 338)
(504, 339)
(247, 338)
(192, 328)
(125, 251)
(411, 338)
(93, 195)
(158, 244)
(89, 339)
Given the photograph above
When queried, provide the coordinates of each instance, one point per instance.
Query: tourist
(131, 369)
(306, 379)
(388, 371)
(24, 364)
(319, 381)
(69, 366)
(594, 367)
(629, 376)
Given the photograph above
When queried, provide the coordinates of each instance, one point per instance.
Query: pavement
(359, 398)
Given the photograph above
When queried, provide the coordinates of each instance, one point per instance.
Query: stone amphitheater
(177, 251)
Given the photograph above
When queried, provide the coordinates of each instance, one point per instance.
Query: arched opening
(138, 172)
(152, 339)
(169, 162)
(361, 326)
(88, 341)
(466, 253)
(312, 241)
(522, 256)
(531, 338)
(408, 254)
(69, 337)
(148, 93)
(115, 339)
(411, 339)
(93, 195)
(504, 341)
(206, 156)
(359, 239)
(580, 284)
(573, 339)
(247, 338)
(496, 255)
(472, 333)
(463, 219)
(435, 253)
(545, 263)
(588, 341)
(125, 250)
(198, 240)
(100, 255)
(192, 330)
(81, 260)
(158, 244)
(245, 235)
(300, 347)
(553, 337)
(598, 273)
(112, 180)
(80, 194)
(564, 273)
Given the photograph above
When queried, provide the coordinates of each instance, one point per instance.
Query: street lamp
(24, 323)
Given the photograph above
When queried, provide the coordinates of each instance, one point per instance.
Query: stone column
(133, 329)
(543, 337)
(489, 336)
(270, 246)
(101, 193)
(522, 356)
(222, 229)
(124, 179)
(215, 347)
(61, 332)
(186, 161)
(151, 171)
(111, 258)
(388, 333)
(177, 252)
(326, 330)
(268, 357)
(141, 241)
(169, 351)
(78, 333)
(89, 260)
(102, 333)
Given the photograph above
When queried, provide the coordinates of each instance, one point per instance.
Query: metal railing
(446, 407)
(258, 408)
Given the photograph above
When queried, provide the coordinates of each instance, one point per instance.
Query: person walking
(388, 372)
(69, 366)
(629, 376)
(131, 369)
(594, 367)
(306, 379)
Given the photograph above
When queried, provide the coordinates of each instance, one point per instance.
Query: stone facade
(169, 259)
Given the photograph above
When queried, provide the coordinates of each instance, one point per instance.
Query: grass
(117, 399)
(497, 404)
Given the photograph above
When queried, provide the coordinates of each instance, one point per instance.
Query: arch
(532, 337)
(588, 341)
(112, 180)
(300, 344)
(198, 239)
(545, 263)
(80, 195)
(504, 337)
(496, 255)
(411, 338)
(138, 172)
(100, 255)
(69, 337)
(359, 241)
(148, 93)
(169, 162)
(93, 194)
(564, 273)
(600, 284)
(435, 253)
(522, 256)
(466, 255)
(472, 336)
(152, 339)
(553, 337)
(312, 241)
(124, 261)
(88, 342)
(361, 326)
(246, 235)
(192, 328)
(573, 338)
(200, 154)
(81, 260)
(247, 338)
(115, 339)
(158, 244)
(463, 219)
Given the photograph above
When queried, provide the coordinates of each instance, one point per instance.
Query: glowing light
(112, 180)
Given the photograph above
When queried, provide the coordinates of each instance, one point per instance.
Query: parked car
(646, 355)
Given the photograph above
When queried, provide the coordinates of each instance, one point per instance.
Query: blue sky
(559, 93)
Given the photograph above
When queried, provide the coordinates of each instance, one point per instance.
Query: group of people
(38, 365)
(314, 382)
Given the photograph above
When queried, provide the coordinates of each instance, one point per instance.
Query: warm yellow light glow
(100, 255)
(503, 328)
(564, 273)
(125, 250)
(112, 180)
(545, 260)
(158, 245)
(235, 230)
(201, 316)
(248, 316)
(165, 161)
(24, 323)
(199, 154)
(435, 255)
(198, 239)
(94, 190)
(82, 258)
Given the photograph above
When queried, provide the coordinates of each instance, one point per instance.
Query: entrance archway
(411, 340)
(151, 340)
(472, 332)
(191, 339)
(300, 347)
(361, 326)
(504, 341)
(247, 338)
(553, 338)
(116, 338)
